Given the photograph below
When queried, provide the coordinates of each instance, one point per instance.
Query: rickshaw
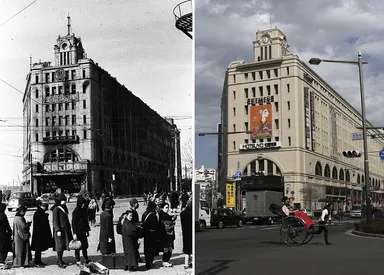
(293, 231)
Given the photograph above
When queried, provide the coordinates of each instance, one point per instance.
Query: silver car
(356, 211)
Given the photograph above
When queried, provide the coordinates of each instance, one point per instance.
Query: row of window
(52, 107)
(252, 76)
(62, 90)
(261, 91)
(65, 133)
(50, 77)
(62, 120)
(246, 125)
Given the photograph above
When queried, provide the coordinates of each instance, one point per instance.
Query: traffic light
(260, 173)
(351, 154)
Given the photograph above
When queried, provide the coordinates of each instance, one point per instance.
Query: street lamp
(359, 63)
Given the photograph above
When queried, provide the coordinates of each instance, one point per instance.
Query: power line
(17, 13)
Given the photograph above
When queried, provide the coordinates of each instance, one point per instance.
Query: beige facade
(300, 127)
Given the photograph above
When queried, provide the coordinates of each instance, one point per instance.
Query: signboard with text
(260, 145)
(230, 195)
(64, 166)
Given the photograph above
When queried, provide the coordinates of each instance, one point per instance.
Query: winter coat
(174, 200)
(166, 231)
(5, 232)
(106, 231)
(21, 235)
(129, 244)
(80, 223)
(42, 238)
(150, 233)
(184, 199)
(61, 223)
(186, 227)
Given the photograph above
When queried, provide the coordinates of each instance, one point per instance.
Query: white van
(356, 211)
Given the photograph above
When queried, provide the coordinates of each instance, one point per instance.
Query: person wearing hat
(41, 236)
(22, 254)
(106, 236)
(134, 203)
(186, 228)
(61, 229)
(80, 227)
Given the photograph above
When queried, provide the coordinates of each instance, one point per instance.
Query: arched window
(341, 174)
(347, 176)
(318, 169)
(61, 155)
(334, 173)
(327, 171)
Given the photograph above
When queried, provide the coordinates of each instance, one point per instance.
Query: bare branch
(187, 153)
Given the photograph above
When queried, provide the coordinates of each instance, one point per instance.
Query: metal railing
(183, 17)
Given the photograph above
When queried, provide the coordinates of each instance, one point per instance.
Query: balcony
(183, 17)
(60, 139)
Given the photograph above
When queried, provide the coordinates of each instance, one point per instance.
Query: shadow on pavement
(278, 243)
(221, 266)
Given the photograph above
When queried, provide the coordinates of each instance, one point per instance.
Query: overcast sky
(225, 30)
(135, 41)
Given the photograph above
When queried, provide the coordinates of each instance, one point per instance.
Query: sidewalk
(49, 257)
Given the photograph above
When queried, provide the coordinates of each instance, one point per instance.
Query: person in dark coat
(42, 236)
(166, 233)
(129, 235)
(80, 228)
(61, 229)
(184, 199)
(107, 237)
(5, 235)
(174, 200)
(135, 220)
(186, 228)
(150, 225)
(21, 235)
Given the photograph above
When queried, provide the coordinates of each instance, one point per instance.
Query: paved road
(258, 250)
(50, 257)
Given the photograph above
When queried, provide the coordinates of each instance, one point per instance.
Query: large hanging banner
(261, 121)
(230, 194)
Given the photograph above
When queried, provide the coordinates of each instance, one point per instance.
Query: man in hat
(135, 220)
(61, 229)
(22, 254)
(107, 237)
(42, 235)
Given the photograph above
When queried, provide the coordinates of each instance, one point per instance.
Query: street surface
(255, 249)
(50, 257)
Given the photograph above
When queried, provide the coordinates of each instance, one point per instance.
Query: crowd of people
(156, 227)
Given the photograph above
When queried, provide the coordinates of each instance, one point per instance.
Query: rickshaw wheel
(293, 231)
(310, 233)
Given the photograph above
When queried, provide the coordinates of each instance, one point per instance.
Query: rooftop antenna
(69, 24)
(30, 62)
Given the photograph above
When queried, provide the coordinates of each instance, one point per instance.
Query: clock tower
(68, 49)
(270, 44)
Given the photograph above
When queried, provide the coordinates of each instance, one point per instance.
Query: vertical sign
(230, 196)
(313, 121)
(261, 121)
(333, 132)
(307, 119)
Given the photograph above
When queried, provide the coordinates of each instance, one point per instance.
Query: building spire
(69, 24)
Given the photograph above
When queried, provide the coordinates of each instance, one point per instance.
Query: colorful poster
(230, 196)
(261, 121)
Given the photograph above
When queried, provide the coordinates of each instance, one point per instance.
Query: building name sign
(62, 98)
(260, 100)
(260, 145)
(67, 166)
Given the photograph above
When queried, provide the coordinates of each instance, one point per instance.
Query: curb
(379, 236)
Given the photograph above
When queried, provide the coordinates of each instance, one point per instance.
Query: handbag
(74, 245)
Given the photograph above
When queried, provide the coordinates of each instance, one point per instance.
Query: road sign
(381, 154)
(357, 136)
(238, 174)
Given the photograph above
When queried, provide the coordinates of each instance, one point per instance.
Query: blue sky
(225, 30)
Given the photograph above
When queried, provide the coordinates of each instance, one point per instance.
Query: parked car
(356, 211)
(223, 217)
(17, 198)
(46, 197)
(308, 212)
(243, 215)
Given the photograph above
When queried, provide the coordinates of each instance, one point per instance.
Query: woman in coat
(61, 229)
(42, 236)
(107, 237)
(166, 233)
(80, 228)
(150, 225)
(5, 235)
(93, 207)
(129, 235)
(21, 235)
(186, 227)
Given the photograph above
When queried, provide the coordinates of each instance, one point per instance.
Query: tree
(310, 193)
(187, 154)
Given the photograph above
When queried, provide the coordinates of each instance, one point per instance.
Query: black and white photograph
(96, 137)
(289, 137)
